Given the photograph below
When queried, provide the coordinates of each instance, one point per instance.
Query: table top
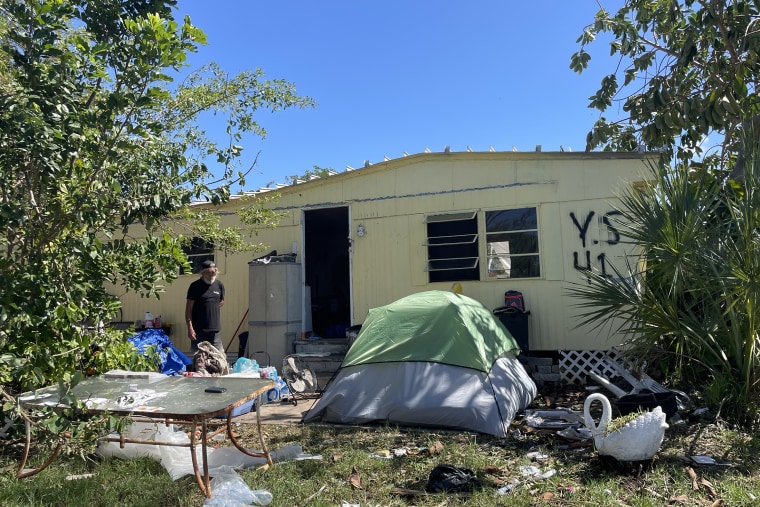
(157, 396)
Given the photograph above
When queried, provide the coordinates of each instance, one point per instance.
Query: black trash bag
(451, 479)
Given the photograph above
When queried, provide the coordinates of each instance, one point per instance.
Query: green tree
(101, 156)
(690, 301)
(688, 69)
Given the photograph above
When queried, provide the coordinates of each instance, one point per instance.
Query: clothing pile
(210, 361)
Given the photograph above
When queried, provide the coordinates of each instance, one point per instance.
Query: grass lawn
(374, 466)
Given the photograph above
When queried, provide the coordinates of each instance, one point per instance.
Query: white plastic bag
(177, 460)
(136, 430)
(228, 489)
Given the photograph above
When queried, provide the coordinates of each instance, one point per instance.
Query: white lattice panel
(574, 365)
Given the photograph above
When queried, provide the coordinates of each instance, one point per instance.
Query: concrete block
(543, 361)
(547, 377)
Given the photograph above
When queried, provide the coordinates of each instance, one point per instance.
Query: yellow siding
(391, 201)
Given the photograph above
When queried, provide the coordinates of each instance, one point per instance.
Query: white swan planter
(638, 440)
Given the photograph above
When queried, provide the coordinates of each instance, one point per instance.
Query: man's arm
(189, 319)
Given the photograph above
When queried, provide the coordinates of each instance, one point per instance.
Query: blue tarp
(173, 361)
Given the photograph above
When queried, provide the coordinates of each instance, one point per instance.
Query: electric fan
(299, 376)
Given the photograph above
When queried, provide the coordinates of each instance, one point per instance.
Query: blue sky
(397, 76)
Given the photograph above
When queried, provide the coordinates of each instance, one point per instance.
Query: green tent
(407, 330)
(436, 359)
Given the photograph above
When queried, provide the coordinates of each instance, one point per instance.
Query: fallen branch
(306, 502)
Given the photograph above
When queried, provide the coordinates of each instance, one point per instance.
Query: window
(512, 244)
(198, 251)
(452, 247)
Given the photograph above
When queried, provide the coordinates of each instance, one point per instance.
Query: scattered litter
(346, 504)
(509, 487)
(79, 476)
(402, 451)
(305, 457)
(92, 403)
(451, 479)
(138, 398)
(707, 460)
(578, 433)
(537, 456)
(228, 489)
(535, 472)
(529, 472)
(553, 419)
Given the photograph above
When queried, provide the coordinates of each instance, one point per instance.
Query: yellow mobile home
(487, 222)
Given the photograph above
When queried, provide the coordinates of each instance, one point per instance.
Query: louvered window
(452, 245)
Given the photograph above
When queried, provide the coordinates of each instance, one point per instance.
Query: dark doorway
(326, 259)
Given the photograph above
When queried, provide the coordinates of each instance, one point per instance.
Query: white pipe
(607, 384)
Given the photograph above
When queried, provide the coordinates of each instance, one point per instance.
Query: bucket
(647, 401)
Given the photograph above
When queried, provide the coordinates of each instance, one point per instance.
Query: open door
(327, 274)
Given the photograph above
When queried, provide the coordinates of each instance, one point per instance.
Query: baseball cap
(208, 264)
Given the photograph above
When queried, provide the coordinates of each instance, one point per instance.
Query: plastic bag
(451, 479)
(244, 365)
(178, 460)
(228, 489)
(139, 431)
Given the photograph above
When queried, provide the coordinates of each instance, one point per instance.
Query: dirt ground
(286, 412)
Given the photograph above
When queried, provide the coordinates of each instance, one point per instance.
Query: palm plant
(690, 296)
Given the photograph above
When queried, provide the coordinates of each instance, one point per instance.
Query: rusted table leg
(203, 481)
(264, 450)
(204, 452)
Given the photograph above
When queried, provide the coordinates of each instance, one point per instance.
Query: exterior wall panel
(573, 193)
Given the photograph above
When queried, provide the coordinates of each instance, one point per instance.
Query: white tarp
(178, 461)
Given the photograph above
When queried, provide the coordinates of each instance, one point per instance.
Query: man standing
(205, 297)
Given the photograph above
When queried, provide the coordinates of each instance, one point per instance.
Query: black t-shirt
(206, 298)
